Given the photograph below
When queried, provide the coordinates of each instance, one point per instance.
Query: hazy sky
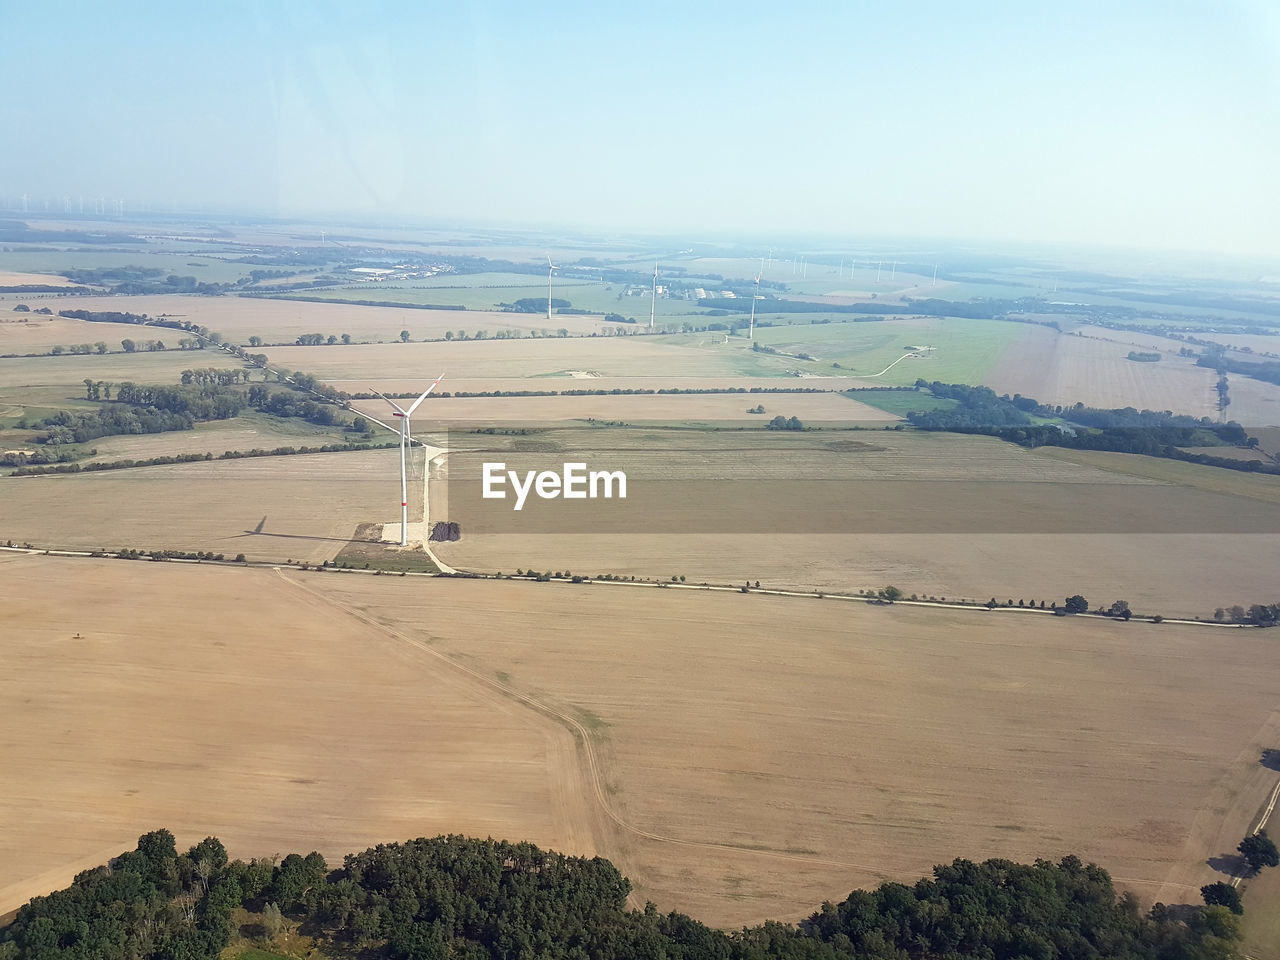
(1138, 123)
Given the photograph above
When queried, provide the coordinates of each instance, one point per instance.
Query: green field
(963, 350)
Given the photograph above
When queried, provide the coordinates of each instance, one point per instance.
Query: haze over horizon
(1151, 126)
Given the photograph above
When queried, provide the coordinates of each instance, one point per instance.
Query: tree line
(1123, 430)
(615, 392)
(34, 465)
(1268, 371)
(455, 897)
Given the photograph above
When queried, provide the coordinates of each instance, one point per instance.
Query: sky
(1144, 124)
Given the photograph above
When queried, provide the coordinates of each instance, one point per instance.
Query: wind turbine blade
(414, 405)
(388, 399)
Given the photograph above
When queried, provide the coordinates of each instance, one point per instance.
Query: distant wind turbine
(405, 437)
(550, 266)
(653, 298)
(754, 297)
(935, 274)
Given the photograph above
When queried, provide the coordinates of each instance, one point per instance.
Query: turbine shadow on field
(289, 536)
(1270, 759)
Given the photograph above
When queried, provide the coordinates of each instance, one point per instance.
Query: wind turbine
(550, 266)
(653, 299)
(754, 298)
(405, 437)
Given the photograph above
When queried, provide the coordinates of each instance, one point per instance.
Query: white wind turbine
(550, 266)
(653, 300)
(754, 297)
(406, 438)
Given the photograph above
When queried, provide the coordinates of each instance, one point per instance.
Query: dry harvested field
(164, 366)
(761, 754)
(229, 702)
(828, 407)
(1133, 339)
(551, 357)
(308, 505)
(582, 380)
(1174, 575)
(15, 278)
(1253, 403)
(934, 514)
(38, 334)
(1255, 342)
(277, 321)
(1063, 369)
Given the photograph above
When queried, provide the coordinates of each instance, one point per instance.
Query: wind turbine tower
(405, 437)
(653, 298)
(935, 275)
(549, 268)
(754, 297)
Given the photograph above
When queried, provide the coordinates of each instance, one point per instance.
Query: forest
(453, 896)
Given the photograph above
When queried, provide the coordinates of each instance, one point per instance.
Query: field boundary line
(660, 585)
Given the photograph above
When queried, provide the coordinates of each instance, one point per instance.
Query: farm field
(70, 370)
(761, 754)
(282, 321)
(582, 294)
(1253, 403)
(29, 333)
(659, 356)
(227, 702)
(1174, 575)
(14, 278)
(585, 380)
(1255, 342)
(1061, 369)
(663, 408)
(249, 432)
(935, 515)
(964, 350)
(308, 505)
(183, 263)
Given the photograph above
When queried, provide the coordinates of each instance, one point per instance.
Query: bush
(1076, 604)
(1222, 895)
